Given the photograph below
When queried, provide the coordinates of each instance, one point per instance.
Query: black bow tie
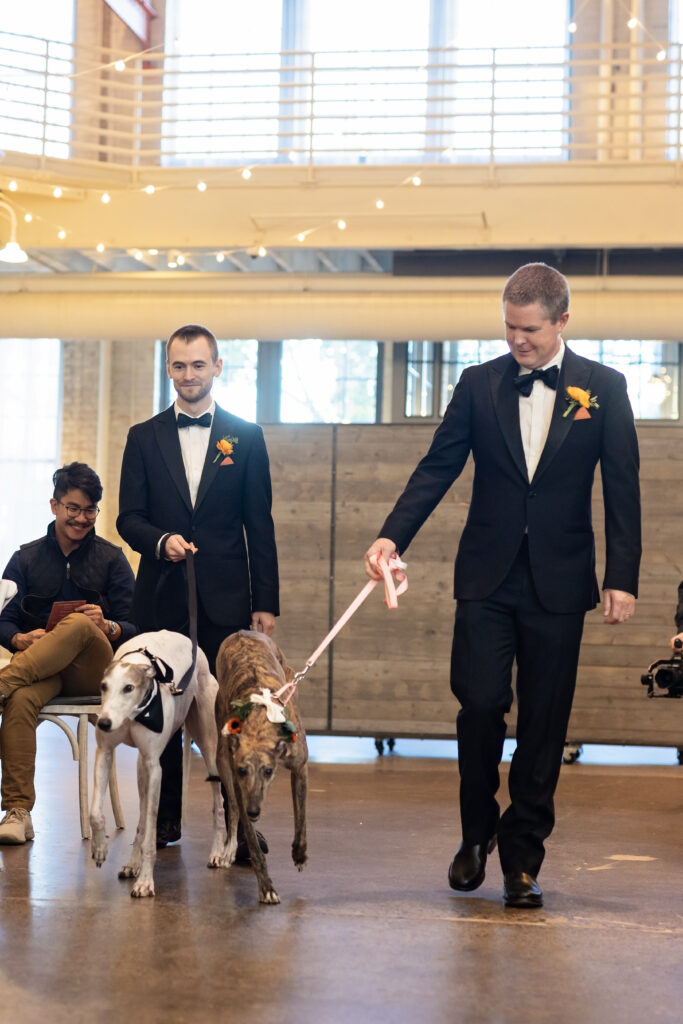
(191, 421)
(525, 381)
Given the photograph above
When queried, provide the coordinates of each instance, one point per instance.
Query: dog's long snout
(104, 724)
(253, 813)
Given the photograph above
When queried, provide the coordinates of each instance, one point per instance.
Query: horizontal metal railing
(619, 103)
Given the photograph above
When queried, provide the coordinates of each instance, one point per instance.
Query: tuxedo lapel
(166, 431)
(506, 403)
(212, 465)
(575, 372)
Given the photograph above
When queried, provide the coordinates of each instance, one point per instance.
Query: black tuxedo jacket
(554, 507)
(231, 523)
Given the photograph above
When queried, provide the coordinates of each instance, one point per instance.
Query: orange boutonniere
(584, 400)
(226, 447)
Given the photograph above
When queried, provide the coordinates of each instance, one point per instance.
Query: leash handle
(393, 568)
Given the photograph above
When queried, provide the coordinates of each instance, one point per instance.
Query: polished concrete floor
(370, 931)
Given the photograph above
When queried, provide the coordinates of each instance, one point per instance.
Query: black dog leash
(177, 688)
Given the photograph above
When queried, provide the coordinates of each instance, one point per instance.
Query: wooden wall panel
(333, 486)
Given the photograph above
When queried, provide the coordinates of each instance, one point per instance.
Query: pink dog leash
(393, 572)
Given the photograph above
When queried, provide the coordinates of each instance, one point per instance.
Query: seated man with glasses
(70, 563)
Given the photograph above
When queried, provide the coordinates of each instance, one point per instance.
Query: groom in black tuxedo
(197, 478)
(537, 422)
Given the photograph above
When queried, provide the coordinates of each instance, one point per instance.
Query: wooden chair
(84, 709)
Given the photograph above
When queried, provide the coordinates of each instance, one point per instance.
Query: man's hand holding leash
(176, 546)
(382, 547)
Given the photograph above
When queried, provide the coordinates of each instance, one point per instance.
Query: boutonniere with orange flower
(584, 400)
(226, 447)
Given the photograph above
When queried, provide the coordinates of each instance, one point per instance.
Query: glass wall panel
(329, 381)
(652, 371)
(225, 109)
(30, 439)
(420, 374)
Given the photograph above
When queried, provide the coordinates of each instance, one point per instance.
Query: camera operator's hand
(679, 636)
(618, 606)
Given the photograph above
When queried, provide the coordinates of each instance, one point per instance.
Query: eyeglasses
(91, 512)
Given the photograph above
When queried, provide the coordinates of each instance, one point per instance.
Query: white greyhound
(134, 690)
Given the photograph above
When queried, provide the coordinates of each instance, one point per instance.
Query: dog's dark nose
(104, 724)
(254, 815)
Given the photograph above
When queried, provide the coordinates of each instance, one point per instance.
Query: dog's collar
(150, 711)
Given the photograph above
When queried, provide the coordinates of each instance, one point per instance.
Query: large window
(220, 109)
(652, 371)
(29, 439)
(35, 101)
(329, 381)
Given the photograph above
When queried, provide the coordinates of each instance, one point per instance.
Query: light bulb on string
(341, 224)
(301, 237)
(153, 252)
(100, 247)
(13, 186)
(262, 251)
(661, 55)
(201, 186)
(379, 203)
(632, 23)
(149, 189)
(57, 192)
(120, 65)
(61, 234)
(105, 198)
(220, 257)
(180, 260)
(28, 217)
(416, 180)
(137, 255)
(246, 173)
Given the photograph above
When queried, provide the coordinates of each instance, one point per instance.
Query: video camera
(668, 675)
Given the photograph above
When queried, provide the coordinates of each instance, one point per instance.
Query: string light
(341, 224)
(572, 27)
(149, 189)
(301, 237)
(201, 186)
(632, 22)
(105, 198)
(661, 55)
(61, 235)
(100, 246)
(13, 186)
(120, 65)
(416, 180)
(28, 217)
(57, 192)
(153, 252)
(220, 257)
(379, 203)
(180, 260)
(246, 173)
(137, 254)
(262, 251)
(171, 263)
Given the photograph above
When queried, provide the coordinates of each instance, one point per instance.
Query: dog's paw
(129, 871)
(98, 852)
(268, 896)
(142, 888)
(299, 856)
(216, 860)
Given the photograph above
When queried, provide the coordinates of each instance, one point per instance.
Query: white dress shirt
(194, 443)
(535, 413)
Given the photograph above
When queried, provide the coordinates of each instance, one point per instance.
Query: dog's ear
(233, 741)
(289, 673)
(281, 748)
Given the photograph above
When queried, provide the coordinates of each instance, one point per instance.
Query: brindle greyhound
(251, 744)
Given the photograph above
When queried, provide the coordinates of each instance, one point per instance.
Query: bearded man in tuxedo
(196, 478)
(537, 422)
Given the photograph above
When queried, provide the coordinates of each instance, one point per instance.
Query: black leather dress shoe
(521, 890)
(469, 865)
(242, 856)
(167, 832)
